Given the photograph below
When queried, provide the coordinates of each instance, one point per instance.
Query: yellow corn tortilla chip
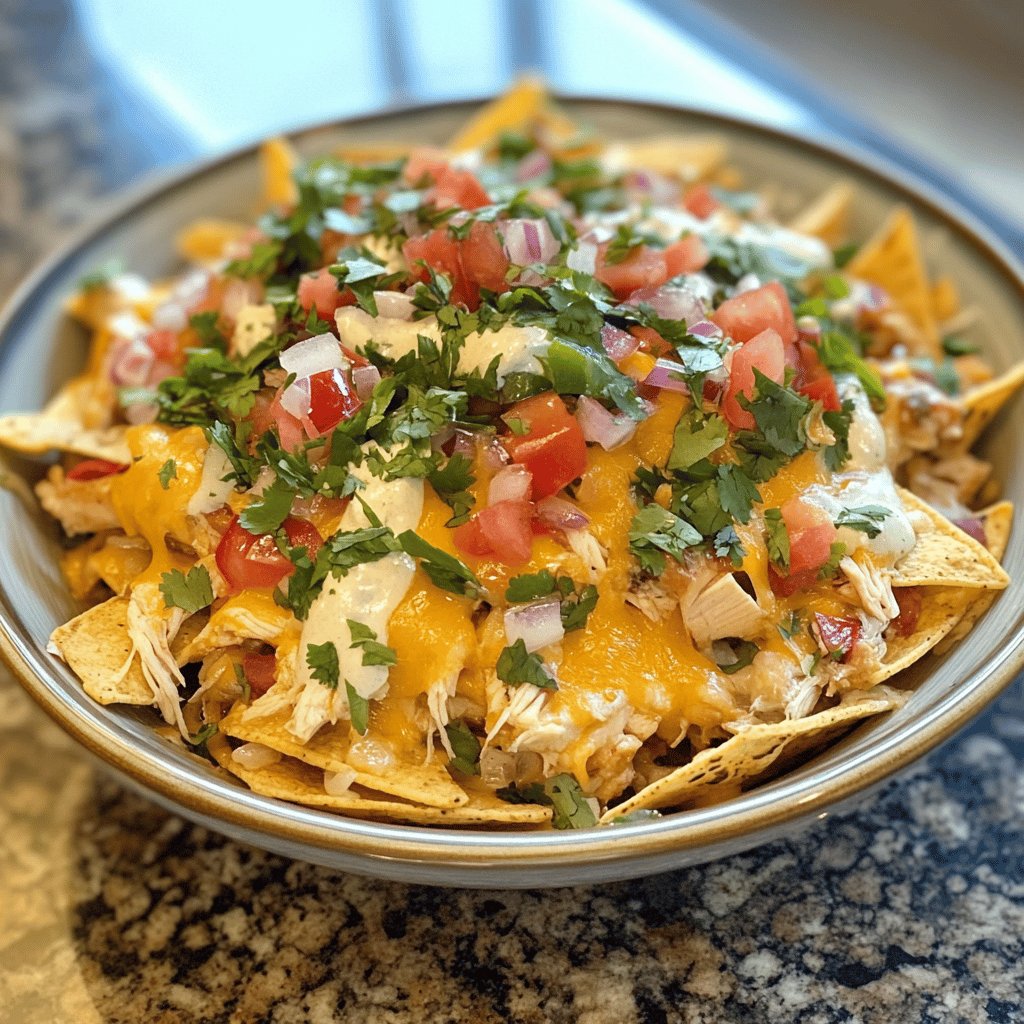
(96, 646)
(981, 404)
(828, 217)
(688, 157)
(428, 784)
(944, 556)
(514, 111)
(33, 433)
(998, 522)
(278, 161)
(892, 259)
(205, 240)
(746, 757)
(945, 299)
(302, 783)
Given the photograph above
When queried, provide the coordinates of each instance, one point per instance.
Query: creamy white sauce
(519, 348)
(369, 594)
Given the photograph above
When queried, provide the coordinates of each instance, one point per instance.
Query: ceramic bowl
(40, 348)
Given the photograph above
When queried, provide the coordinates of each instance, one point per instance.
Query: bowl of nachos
(586, 490)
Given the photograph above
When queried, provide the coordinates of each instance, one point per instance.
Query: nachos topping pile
(537, 480)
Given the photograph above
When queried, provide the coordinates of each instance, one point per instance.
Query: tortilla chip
(945, 556)
(205, 240)
(998, 522)
(372, 153)
(981, 404)
(301, 783)
(689, 157)
(892, 259)
(828, 217)
(515, 111)
(945, 299)
(748, 756)
(278, 161)
(96, 646)
(34, 433)
(428, 784)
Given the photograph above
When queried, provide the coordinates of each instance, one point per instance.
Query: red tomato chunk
(548, 441)
(248, 560)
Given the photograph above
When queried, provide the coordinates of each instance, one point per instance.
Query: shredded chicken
(651, 598)
(950, 484)
(81, 506)
(873, 589)
(589, 549)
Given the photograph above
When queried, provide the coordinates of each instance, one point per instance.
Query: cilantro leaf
(864, 518)
(577, 606)
(837, 552)
(841, 354)
(696, 438)
(192, 592)
(374, 652)
(777, 537)
(465, 746)
(954, 345)
(452, 482)
(322, 660)
(445, 571)
(529, 587)
(655, 530)
(563, 794)
(269, 511)
(744, 651)
(167, 472)
(778, 412)
(515, 666)
(737, 492)
(358, 709)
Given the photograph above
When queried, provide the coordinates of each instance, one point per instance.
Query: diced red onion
(529, 241)
(239, 293)
(747, 283)
(618, 343)
(394, 305)
(533, 165)
(510, 483)
(494, 455)
(314, 355)
(560, 514)
(255, 755)
(973, 527)
(705, 329)
(538, 624)
(295, 398)
(131, 361)
(671, 302)
(666, 376)
(602, 426)
(464, 443)
(583, 258)
(169, 316)
(364, 380)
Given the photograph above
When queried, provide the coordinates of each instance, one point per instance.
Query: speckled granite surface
(909, 909)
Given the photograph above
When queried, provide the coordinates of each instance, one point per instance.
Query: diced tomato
(502, 530)
(260, 671)
(700, 201)
(839, 635)
(811, 536)
(643, 267)
(474, 262)
(763, 352)
(249, 561)
(320, 289)
(164, 346)
(552, 448)
(651, 341)
(458, 188)
(745, 316)
(686, 256)
(909, 600)
(424, 163)
(94, 469)
(814, 380)
(331, 399)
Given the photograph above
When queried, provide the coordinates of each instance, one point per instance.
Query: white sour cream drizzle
(520, 348)
(369, 594)
(866, 480)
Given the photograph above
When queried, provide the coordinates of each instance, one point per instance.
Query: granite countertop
(910, 908)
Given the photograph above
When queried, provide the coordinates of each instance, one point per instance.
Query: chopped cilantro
(696, 438)
(946, 377)
(563, 794)
(101, 276)
(736, 492)
(744, 651)
(452, 482)
(864, 518)
(202, 736)
(191, 592)
(268, 511)
(655, 532)
(954, 345)
(777, 537)
(374, 652)
(465, 746)
(358, 709)
(576, 605)
(322, 660)
(517, 425)
(791, 626)
(516, 666)
(836, 554)
(727, 545)
(841, 353)
(529, 587)
(167, 472)
(445, 571)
